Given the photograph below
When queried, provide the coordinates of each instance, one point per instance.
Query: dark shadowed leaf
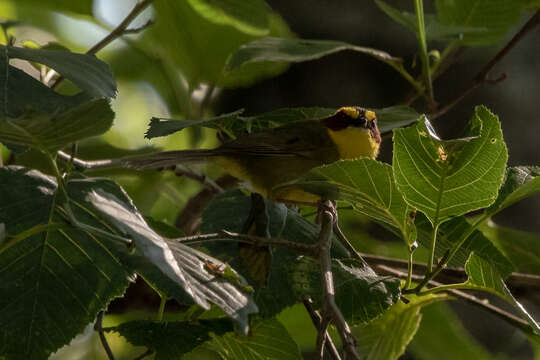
(50, 132)
(445, 178)
(237, 125)
(521, 247)
(83, 7)
(451, 232)
(434, 29)
(54, 278)
(494, 17)
(520, 182)
(170, 340)
(86, 71)
(361, 294)
(272, 49)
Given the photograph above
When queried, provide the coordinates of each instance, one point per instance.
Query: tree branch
(120, 30)
(483, 303)
(330, 309)
(98, 326)
(316, 318)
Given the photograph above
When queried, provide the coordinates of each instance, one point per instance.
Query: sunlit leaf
(268, 340)
(249, 16)
(387, 336)
(483, 276)
(369, 186)
(445, 178)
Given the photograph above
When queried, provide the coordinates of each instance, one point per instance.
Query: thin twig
(249, 239)
(482, 76)
(117, 32)
(330, 309)
(316, 318)
(483, 303)
(98, 326)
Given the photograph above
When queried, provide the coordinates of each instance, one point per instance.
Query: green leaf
(183, 39)
(521, 247)
(495, 17)
(361, 294)
(434, 29)
(20, 92)
(83, 7)
(520, 182)
(273, 49)
(483, 276)
(170, 340)
(268, 340)
(440, 322)
(86, 71)
(169, 266)
(388, 336)
(50, 132)
(46, 254)
(369, 186)
(229, 211)
(446, 178)
(451, 232)
(248, 16)
(237, 125)
(54, 278)
(394, 117)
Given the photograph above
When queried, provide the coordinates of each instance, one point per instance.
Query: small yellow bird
(275, 156)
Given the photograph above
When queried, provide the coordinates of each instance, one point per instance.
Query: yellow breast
(353, 142)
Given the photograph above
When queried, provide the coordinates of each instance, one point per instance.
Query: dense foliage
(72, 240)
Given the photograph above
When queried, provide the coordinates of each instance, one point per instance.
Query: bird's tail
(166, 159)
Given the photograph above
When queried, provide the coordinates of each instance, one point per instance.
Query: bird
(275, 156)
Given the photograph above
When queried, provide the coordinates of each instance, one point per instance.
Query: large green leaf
(483, 276)
(433, 28)
(168, 265)
(199, 47)
(494, 16)
(170, 340)
(237, 125)
(458, 342)
(361, 294)
(451, 232)
(388, 336)
(20, 92)
(520, 182)
(50, 132)
(369, 186)
(54, 278)
(268, 340)
(272, 49)
(521, 247)
(47, 253)
(446, 178)
(86, 71)
(249, 16)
